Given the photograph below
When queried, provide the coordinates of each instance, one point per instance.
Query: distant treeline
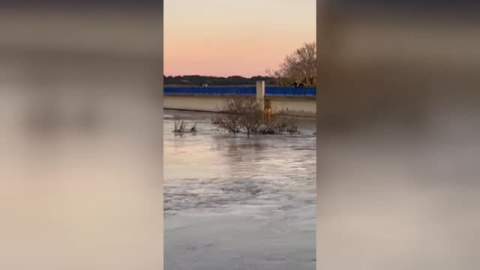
(198, 80)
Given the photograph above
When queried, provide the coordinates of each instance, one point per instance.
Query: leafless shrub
(278, 123)
(292, 128)
(229, 117)
(243, 114)
(238, 113)
(252, 115)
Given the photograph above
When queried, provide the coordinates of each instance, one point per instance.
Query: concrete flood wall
(295, 102)
(295, 106)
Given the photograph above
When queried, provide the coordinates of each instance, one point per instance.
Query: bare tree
(298, 67)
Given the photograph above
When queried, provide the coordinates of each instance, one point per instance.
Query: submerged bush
(243, 114)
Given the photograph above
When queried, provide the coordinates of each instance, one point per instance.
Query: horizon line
(218, 76)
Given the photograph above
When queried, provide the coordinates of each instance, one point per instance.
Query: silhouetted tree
(298, 68)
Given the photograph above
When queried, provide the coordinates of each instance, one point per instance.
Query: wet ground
(238, 202)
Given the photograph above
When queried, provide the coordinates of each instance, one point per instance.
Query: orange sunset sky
(227, 37)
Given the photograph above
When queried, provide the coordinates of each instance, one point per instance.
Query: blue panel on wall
(222, 91)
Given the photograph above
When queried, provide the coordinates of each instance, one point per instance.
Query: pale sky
(234, 37)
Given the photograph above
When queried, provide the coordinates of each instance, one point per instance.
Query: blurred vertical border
(398, 134)
(81, 134)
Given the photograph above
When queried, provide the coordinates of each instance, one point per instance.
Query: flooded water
(238, 202)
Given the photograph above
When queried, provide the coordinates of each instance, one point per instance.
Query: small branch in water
(194, 128)
(180, 127)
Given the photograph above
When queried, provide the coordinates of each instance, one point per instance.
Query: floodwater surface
(238, 202)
